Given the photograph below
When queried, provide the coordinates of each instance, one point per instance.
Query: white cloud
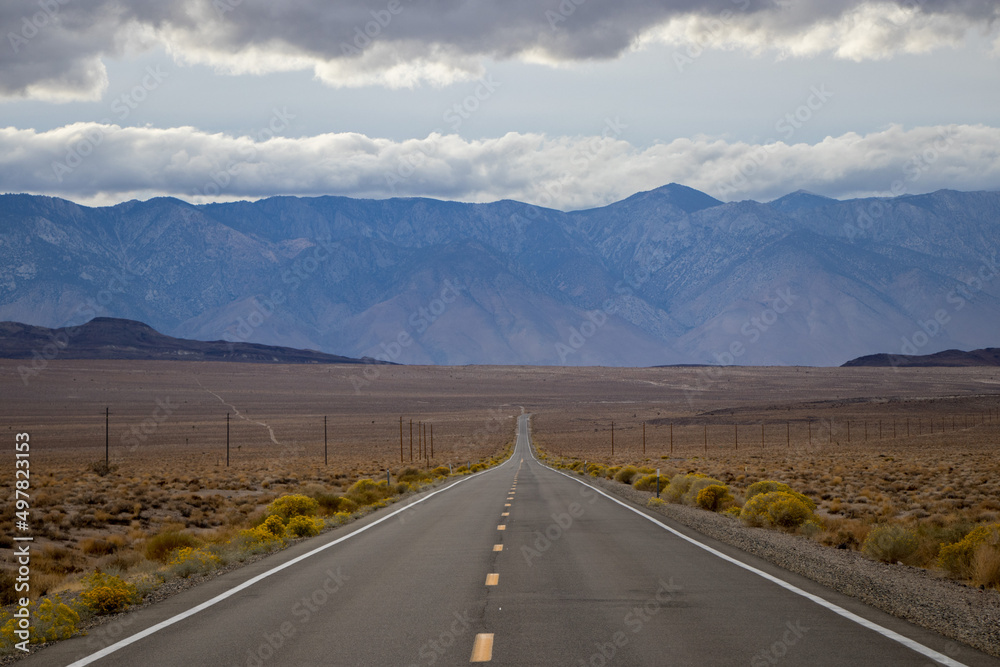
(102, 164)
(868, 31)
(57, 53)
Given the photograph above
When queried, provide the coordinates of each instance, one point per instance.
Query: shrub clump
(293, 505)
(890, 543)
(648, 483)
(596, 470)
(958, 559)
(257, 540)
(685, 488)
(159, 547)
(626, 474)
(52, 620)
(273, 526)
(415, 475)
(770, 486)
(655, 502)
(776, 509)
(715, 497)
(368, 492)
(188, 561)
(330, 503)
(304, 526)
(107, 593)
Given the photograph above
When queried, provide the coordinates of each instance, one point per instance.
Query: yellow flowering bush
(51, 620)
(273, 525)
(259, 540)
(769, 486)
(775, 509)
(957, 559)
(187, 561)
(715, 497)
(304, 526)
(107, 594)
(368, 492)
(293, 505)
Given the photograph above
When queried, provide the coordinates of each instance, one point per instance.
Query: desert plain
(866, 444)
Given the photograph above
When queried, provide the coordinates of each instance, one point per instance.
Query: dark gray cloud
(53, 48)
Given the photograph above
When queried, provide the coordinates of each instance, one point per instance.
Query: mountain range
(669, 276)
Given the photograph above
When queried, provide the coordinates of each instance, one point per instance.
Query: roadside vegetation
(963, 545)
(111, 537)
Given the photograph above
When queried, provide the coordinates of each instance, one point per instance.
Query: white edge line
(851, 616)
(263, 575)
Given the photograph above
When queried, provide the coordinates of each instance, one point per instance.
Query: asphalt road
(519, 565)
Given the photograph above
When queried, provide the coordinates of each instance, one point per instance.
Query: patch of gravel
(925, 598)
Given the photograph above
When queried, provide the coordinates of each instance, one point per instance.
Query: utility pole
(643, 438)
(671, 438)
(326, 460)
(411, 441)
(400, 438)
(612, 438)
(706, 437)
(107, 438)
(227, 439)
(432, 440)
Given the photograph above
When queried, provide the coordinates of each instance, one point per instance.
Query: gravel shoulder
(927, 599)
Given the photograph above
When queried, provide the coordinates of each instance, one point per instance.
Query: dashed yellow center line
(492, 579)
(506, 504)
(482, 649)
(497, 547)
(505, 514)
(501, 527)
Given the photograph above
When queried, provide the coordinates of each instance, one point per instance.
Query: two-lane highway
(519, 565)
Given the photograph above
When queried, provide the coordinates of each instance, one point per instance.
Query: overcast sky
(566, 103)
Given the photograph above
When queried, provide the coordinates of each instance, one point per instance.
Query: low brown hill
(989, 356)
(112, 338)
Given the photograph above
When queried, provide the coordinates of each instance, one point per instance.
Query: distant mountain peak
(801, 200)
(686, 199)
